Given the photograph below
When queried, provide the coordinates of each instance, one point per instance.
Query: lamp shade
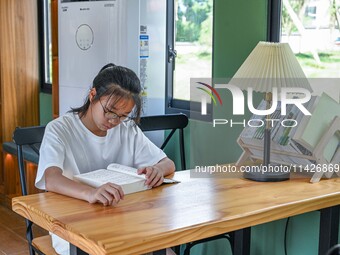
(270, 65)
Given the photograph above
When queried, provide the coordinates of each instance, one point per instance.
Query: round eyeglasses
(110, 115)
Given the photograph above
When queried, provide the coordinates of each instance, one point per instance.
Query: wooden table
(179, 213)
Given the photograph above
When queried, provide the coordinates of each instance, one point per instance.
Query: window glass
(193, 44)
(47, 42)
(311, 27)
(45, 45)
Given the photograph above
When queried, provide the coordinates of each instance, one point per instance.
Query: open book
(124, 176)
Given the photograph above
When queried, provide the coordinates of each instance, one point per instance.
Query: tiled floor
(12, 233)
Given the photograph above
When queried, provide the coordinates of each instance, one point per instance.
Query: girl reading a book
(100, 132)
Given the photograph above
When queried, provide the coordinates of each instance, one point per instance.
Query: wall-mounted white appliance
(131, 33)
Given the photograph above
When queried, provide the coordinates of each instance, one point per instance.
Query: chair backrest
(171, 122)
(31, 137)
(27, 136)
(335, 250)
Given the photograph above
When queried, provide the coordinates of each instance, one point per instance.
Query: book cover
(304, 119)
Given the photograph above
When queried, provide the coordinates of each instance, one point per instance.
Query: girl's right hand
(107, 194)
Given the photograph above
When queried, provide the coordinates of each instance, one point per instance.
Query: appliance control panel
(84, 37)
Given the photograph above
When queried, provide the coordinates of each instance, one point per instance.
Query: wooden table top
(174, 214)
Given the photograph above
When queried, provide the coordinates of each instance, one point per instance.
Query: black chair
(175, 122)
(171, 122)
(28, 140)
(335, 250)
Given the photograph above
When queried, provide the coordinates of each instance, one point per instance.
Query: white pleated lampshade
(270, 65)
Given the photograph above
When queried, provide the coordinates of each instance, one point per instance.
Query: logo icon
(211, 94)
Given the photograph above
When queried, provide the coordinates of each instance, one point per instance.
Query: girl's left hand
(154, 176)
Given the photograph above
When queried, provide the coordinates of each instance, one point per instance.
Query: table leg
(329, 228)
(76, 251)
(241, 242)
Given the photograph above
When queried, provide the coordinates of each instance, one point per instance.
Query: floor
(12, 233)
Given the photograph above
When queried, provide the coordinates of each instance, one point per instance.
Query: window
(312, 29)
(45, 45)
(190, 37)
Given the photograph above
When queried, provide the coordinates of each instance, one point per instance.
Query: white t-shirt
(69, 145)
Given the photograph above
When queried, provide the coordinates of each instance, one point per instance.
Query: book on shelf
(325, 110)
(284, 149)
(125, 176)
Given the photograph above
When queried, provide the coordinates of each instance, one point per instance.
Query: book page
(125, 169)
(133, 172)
(103, 176)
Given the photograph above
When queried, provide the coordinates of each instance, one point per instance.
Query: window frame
(274, 20)
(173, 105)
(43, 42)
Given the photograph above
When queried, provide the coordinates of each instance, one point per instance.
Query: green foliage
(335, 14)
(332, 57)
(329, 66)
(302, 8)
(206, 32)
(192, 24)
(287, 23)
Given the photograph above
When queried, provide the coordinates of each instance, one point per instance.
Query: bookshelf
(312, 145)
(319, 155)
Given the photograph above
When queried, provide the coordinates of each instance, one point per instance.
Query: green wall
(45, 112)
(238, 26)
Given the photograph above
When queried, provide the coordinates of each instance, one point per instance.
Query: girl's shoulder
(129, 129)
(63, 123)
